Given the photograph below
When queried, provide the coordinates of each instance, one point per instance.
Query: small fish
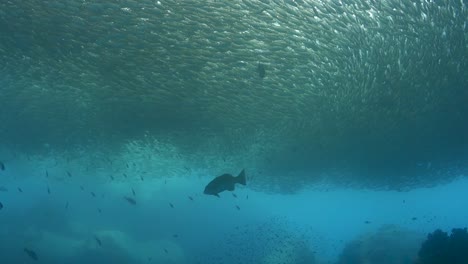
(261, 70)
(69, 174)
(127, 165)
(233, 194)
(125, 175)
(93, 194)
(2, 166)
(171, 205)
(191, 198)
(247, 197)
(1, 206)
(133, 191)
(414, 218)
(175, 236)
(66, 205)
(367, 222)
(225, 182)
(165, 250)
(130, 200)
(98, 241)
(3, 189)
(141, 177)
(238, 208)
(31, 253)
(20, 190)
(99, 210)
(47, 174)
(112, 177)
(186, 168)
(48, 190)
(82, 188)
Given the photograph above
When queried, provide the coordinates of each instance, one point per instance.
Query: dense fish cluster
(371, 87)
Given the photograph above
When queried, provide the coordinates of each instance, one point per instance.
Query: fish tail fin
(241, 178)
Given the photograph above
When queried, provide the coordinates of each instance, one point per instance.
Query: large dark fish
(31, 253)
(130, 200)
(225, 182)
(261, 70)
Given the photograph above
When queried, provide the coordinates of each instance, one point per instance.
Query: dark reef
(440, 248)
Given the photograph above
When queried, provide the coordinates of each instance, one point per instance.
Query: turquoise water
(350, 119)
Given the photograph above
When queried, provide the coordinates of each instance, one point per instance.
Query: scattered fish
(225, 182)
(238, 208)
(69, 174)
(191, 198)
(31, 253)
(112, 177)
(125, 175)
(367, 222)
(233, 194)
(414, 218)
(48, 190)
(133, 191)
(1, 206)
(261, 70)
(93, 194)
(141, 177)
(130, 200)
(20, 190)
(98, 241)
(2, 166)
(171, 205)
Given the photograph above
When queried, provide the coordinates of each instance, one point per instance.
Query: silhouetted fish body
(225, 182)
(31, 253)
(261, 70)
(130, 200)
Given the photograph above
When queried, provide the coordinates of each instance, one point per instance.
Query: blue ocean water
(174, 222)
(349, 117)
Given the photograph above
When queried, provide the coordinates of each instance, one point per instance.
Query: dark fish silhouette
(171, 205)
(233, 194)
(2, 166)
(133, 191)
(48, 190)
(20, 190)
(261, 70)
(141, 177)
(93, 194)
(191, 198)
(1, 206)
(31, 253)
(112, 177)
(225, 182)
(130, 200)
(238, 208)
(69, 174)
(125, 175)
(98, 241)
